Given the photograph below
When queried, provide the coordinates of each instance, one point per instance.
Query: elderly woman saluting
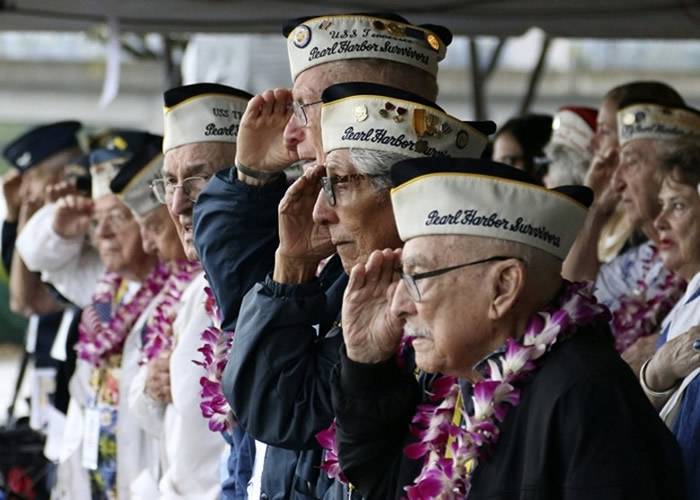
(670, 378)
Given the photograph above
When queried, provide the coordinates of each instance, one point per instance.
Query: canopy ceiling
(566, 18)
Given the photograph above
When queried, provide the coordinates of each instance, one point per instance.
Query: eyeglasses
(116, 219)
(409, 280)
(164, 189)
(299, 110)
(328, 183)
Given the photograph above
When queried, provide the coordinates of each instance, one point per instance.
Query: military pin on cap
(360, 113)
(301, 36)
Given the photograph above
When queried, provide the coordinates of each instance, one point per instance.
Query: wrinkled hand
(601, 171)
(301, 239)
(11, 184)
(673, 361)
(26, 210)
(54, 192)
(636, 354)
(372, 333)
(73, 215)
(260, 141)
(158, 379)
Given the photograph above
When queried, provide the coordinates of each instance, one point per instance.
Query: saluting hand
(303, 243)
(372, 333)
(11, 184)
(28, 208)
(73, 216)
(600, 173)
(54, 192)
(260, 141)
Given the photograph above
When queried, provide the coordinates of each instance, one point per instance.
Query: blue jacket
(236, 241)
(287, 339)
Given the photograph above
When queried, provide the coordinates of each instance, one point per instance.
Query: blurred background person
(569, 151)
(670, 378)
(520, 143)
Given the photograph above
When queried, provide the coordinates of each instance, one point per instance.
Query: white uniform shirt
(71, 265)
(682, 317)
(190, 451)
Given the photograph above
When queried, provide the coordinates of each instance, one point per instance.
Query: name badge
(91, 438)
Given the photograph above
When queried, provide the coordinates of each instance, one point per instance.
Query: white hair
(567, 166)
(375, 163)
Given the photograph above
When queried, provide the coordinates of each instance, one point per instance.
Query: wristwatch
(257, 174)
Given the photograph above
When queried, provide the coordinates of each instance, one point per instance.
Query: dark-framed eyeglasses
(164, 189)
(328, 182)
(409, 280)
(299, 111)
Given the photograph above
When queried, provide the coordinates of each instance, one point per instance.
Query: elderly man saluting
(535, 403)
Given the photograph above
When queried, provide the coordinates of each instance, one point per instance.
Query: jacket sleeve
(374, 405)
(71, 265)
(9, 235)
(277, 379)
(235, 231)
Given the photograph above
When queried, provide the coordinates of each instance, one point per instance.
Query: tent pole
(535, 76)
(477, 80)
(171, 71)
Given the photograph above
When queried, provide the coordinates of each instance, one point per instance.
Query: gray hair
(375, 163)
(567, 166)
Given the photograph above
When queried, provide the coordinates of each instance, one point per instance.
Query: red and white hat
(574, 126)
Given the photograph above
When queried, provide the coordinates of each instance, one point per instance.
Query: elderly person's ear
(507, 283)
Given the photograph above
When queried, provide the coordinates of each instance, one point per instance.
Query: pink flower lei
(98, 339)
(216, 345)
(638, 314)
(452, 451)
(158, 334)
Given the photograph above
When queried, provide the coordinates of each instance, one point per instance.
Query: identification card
(91, 438)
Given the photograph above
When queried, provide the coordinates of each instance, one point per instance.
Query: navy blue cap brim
(40, 143)
(99, 156)
(152, 147)
(343, 90)
(177, 95)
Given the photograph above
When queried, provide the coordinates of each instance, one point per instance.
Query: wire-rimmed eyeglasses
(164, 189)
(409, 280)
(299, 110)
(328, 182)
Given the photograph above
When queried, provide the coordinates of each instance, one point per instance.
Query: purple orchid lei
(216, 345)
(639, 315)
(97, 339)
(453, 450)
(158, 334)
(326, 437)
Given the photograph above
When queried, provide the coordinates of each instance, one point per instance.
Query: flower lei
(98, 339)
(453, 451)
(158, 333)
(215, 348)
(326, 438)
(638, 315)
